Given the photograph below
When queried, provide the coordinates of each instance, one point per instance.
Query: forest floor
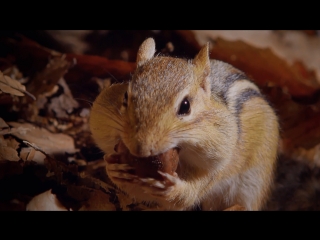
(49, 79)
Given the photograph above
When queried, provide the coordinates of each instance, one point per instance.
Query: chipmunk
(226, 132)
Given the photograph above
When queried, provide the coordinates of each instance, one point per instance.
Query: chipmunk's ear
(202, 68)
(146, 51)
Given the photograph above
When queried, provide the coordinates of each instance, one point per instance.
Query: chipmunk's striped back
(231, 87)
(257, 139)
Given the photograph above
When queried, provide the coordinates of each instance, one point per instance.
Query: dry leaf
(12, 86)
(64, 104)
(9, 85)
(3, 124)
(14, 73)
(298, 122)
(27, 154)
(91, 193)
(30, 154)
(3, 142)
(306, 134)
(8, 153)
(51, 143)
(31, 59)
(6, 150)
(11, 142)
(45, 80)
(45, 201)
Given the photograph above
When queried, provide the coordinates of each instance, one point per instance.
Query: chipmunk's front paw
(119, 172)
(166, 189)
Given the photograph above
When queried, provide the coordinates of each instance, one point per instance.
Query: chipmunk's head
(166, 99)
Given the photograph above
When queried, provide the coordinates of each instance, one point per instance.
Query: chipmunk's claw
(161, 188)
(119, 173)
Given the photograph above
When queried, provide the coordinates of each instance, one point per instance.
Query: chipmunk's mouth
(166, 162)
(140, 152)
(175, 149)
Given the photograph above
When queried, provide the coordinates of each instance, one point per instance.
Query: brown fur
(228, 141)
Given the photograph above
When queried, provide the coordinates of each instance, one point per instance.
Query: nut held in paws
(166, 162)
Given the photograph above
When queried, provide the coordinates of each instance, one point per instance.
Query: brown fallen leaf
(11, 142)
(51, 143)
(7, 152)
(88, 193)
(14, 73)
(59, 167)
(45, 201)
(45, 80)
(27, 154)
(32, 58)
(12, 86)
(305, 134)
(298, 122)
(2, 141)
(91, 193)
(3, 124)
(63, 104)
(30, 154)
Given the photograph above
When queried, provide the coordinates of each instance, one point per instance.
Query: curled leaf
(12, 86)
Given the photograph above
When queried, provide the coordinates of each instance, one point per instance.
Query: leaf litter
(45, 142)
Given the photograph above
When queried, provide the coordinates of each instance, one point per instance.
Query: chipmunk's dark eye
(125, 100)
(184, 107)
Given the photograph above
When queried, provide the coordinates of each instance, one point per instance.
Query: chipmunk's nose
(142, 150)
